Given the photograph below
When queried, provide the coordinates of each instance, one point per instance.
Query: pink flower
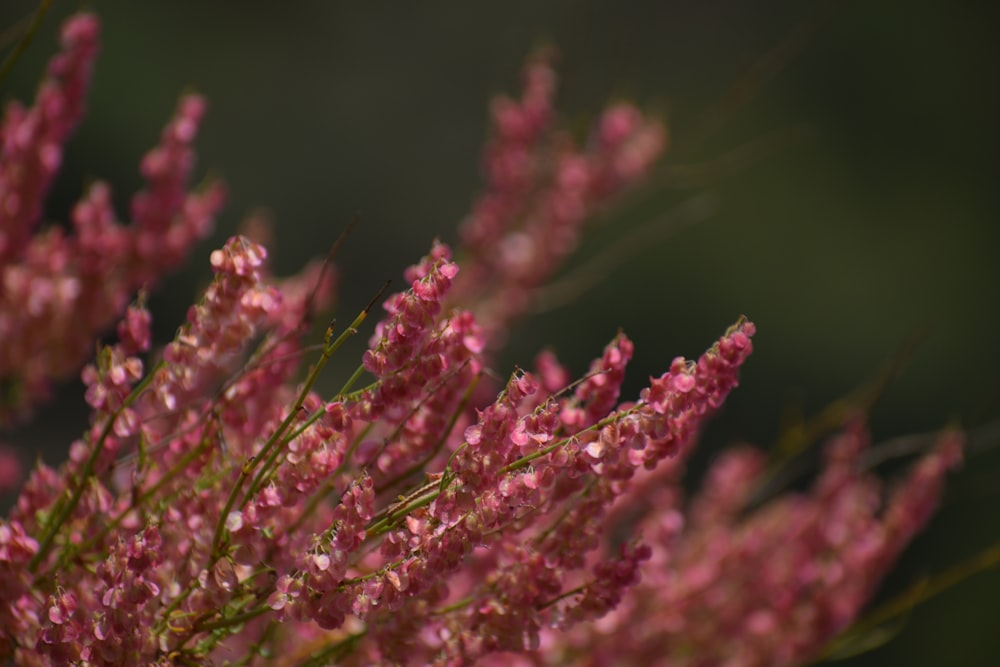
(59, 291)
(11, 471)
(219, 506)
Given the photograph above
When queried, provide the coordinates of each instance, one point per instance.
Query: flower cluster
(727, 585)
(59, 291)
(540, 189)
(219, 510)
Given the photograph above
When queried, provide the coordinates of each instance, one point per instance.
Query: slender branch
(918, 593)
(64, 511)
(36, 22)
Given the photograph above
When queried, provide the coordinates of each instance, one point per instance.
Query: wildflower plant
(219, 510)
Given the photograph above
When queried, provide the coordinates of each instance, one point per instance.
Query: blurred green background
(853, 196)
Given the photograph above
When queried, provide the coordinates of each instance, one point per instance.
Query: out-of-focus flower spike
(914, 500)
(134, 333)
(11, 469)
(167, 218)
(31, 140)
(728, 486)
(540, 189)
(553, 376)
(65, 290)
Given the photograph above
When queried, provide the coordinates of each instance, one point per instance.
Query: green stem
(272, 448)
(230, 621)
(333, 651)
(182, 464)
(29, 34)
(351, 380)
(916, 594)
(428, 493)
(258, 650)
(454, 606)
(64, 511)
(439, 445)
(327, 486)
(424, 497)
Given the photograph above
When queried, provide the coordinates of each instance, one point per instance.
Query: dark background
(864, 212)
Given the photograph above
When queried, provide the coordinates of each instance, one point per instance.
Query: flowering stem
(545, 451)
(454, 606)
(271, 450)
(141, 499)
(63, 512)
(327, 487)
(582, 493)
(422, 497)
(428, 493)
(420, 465)
(328, 349)
(319, 413)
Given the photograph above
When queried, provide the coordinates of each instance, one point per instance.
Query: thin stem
(230, 621)
(257, 649)
(29, 34)
(439, 445)
(358, 372)
(423, 497)
(333, 651)
(428, 493)
(140, 500)
(328, 349)
(920, 592)
(65, 510)
(272, 448)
